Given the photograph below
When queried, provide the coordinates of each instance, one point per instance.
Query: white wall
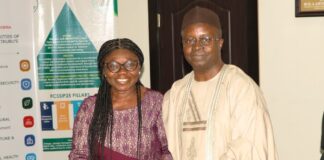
(133, 23)
(292, 77)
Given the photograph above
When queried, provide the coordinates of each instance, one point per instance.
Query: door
(239, 25)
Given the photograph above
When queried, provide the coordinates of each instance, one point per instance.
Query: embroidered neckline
(211, 108)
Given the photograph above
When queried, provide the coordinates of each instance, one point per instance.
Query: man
(216, 112)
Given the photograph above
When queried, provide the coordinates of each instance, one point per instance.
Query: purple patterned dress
(153, 143)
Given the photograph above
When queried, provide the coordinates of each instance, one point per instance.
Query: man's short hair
(201, 15)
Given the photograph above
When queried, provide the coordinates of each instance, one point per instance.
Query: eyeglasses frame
(120, 66)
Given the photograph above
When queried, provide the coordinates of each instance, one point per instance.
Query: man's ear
(220, 43)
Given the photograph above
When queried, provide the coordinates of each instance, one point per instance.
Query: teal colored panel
(68, 59)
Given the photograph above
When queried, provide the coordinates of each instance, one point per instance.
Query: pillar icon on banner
(58, 115)
(46, 115)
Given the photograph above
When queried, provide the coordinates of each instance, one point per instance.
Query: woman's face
(122, 70)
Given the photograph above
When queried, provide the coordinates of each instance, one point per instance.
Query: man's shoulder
(235, 73)
(183, 81)
(238, 81)
(178, 86)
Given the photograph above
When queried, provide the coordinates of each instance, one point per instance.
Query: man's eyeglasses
(115, 67)
(203, 40)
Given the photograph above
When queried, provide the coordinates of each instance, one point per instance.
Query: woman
(123, 120)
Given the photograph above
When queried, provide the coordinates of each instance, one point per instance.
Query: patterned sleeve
(166, 155)
(80, 131)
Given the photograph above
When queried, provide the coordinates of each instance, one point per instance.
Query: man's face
(201, 46)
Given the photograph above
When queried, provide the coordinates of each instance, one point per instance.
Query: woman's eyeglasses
(203, 40)
(115, 67)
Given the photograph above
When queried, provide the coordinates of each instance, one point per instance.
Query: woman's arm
(80, 148)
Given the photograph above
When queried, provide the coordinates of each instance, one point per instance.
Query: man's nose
(197, 45)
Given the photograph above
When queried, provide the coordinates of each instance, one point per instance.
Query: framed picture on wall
(309, 8)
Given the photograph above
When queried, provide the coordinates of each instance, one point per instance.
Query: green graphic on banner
(68, 58)
(57, 144)
(116, 7)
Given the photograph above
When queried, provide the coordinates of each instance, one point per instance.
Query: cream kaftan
(234, 114)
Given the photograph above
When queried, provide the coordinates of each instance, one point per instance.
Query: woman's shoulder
(152, 96)
(153, 93)
(152, 101)
(88, 102)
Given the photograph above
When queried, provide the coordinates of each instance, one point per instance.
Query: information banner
(19, 125)
(68, 36)
(48, 53)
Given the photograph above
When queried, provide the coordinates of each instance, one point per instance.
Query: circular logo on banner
(30, 156)
(24, 65)
(28, 121)
(29, 140)
(27, 102)
(26, 84)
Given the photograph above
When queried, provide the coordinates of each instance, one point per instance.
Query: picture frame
(309, 8)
